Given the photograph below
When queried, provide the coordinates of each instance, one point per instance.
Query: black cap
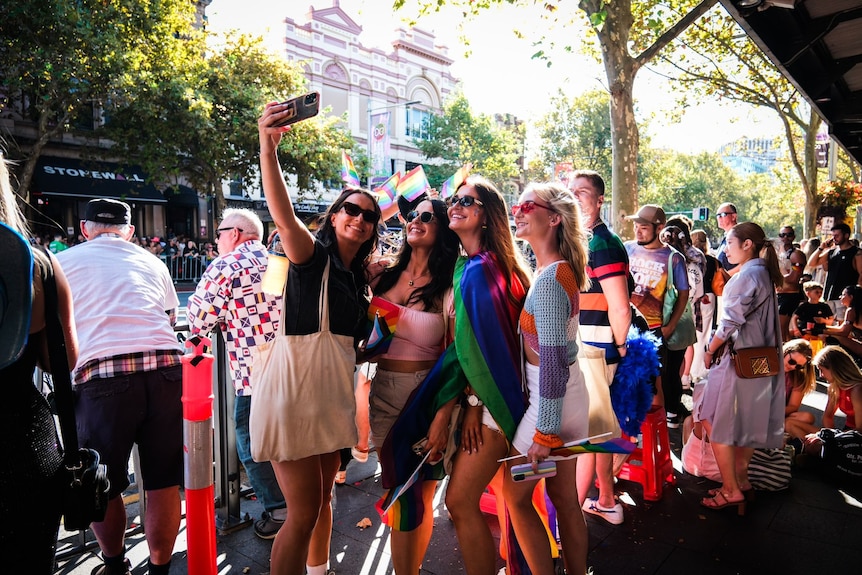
(107, 211)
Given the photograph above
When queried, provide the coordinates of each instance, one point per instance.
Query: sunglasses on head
(528, 206)
(424, 217)
(353, 210)
(464, 201)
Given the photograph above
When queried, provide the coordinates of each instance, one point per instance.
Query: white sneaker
(614, 515)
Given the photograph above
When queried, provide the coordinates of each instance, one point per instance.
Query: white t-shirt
(121, 293)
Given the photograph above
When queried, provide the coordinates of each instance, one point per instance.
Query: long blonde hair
(572, 238)
(10, 213)
(845, 373)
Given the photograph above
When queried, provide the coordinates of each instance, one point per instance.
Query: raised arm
(296, 239)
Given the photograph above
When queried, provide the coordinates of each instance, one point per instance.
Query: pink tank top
(418, 336)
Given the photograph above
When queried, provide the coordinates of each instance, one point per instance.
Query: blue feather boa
(631, 390)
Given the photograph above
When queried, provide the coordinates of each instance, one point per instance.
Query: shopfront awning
(181, 195)
(87, 179)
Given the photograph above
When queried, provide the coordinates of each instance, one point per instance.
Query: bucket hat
(16, 292)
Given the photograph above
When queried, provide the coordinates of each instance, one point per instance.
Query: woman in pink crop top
(417, 283)
(837, 367)
(548, 217)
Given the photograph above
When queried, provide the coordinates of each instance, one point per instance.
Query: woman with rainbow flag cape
(483, 361)
(548, 217)
(409, 295)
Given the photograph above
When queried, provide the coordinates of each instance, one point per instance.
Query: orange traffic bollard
(198, 457)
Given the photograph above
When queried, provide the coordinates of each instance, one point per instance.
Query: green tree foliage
(458, 136)
(681, 182)
(578, 130)
(715, 59)
(59, 60)
(630, 33)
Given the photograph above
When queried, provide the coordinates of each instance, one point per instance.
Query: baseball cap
(16, 287)
(649, 214)
(107, 211)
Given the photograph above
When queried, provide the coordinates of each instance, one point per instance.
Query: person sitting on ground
(837, 367)
(798, 380)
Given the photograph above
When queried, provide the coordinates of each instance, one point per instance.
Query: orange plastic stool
(651, 465)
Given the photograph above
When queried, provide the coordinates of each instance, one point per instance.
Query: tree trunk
(809, 182)
(620, 69)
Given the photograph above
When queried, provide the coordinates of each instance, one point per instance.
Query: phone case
(524, 471)
(300, 108)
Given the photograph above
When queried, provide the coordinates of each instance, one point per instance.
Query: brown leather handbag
(755, 362)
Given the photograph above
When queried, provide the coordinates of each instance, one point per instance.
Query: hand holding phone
(298, 109)
(524, 471)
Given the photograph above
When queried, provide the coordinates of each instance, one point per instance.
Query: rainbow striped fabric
(348, 172)
(413, 184)
(616, 445)
(485, 353)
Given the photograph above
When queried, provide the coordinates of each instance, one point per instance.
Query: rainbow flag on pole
(616, 445)
(387, 190)
(348, 172)
(413, 184)
(449, 186)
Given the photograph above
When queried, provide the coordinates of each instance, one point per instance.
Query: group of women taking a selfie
(480, 338)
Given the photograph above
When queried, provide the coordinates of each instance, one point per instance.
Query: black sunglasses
(424, 217)
(786, 235)
(464, 201)
(795, 363)
(724, 214)
(220, 230)
(353, 210)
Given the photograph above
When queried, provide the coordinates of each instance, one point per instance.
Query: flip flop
(720, 501)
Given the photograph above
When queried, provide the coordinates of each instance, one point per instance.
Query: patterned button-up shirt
(229, 294)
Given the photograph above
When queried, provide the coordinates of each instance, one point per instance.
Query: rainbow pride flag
(616, 445)
(348, 172)
(387, 191)
(413, 184)
(382, 321)
(449, 186)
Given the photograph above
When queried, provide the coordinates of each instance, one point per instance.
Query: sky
(500, 76)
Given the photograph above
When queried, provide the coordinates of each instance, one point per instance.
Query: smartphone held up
(299, 108)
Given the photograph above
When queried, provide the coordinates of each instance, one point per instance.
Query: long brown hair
(497, 235)
(763, 248)
(802, 378)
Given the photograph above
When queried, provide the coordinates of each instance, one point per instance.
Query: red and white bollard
(198, 457)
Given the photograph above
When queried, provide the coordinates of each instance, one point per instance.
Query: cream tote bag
(302, 401)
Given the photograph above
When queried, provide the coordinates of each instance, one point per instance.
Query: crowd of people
(489, 359)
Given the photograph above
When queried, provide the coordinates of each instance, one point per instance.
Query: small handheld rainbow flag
(449, 186)
(387, 190)
(616, 445)
(382, 321)
(413, 184)
(348, 172)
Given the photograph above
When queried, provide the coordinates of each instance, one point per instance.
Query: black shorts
(145, 408)
(788, 302)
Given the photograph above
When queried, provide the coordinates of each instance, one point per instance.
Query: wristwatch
(474, 401)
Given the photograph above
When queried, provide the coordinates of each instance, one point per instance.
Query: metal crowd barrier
(186, 268)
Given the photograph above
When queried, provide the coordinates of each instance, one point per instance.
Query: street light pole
(370, 130)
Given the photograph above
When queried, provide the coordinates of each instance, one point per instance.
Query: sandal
(747, 493)
(720, 501)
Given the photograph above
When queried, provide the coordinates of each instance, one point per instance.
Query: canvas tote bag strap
(323, 302)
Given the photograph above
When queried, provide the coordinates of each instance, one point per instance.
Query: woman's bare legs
(470, 474)
(307, 530)
(570, 519)
(529, 529)
(409, 547)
